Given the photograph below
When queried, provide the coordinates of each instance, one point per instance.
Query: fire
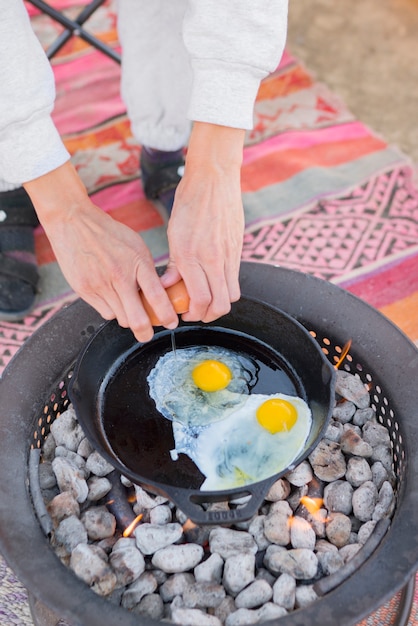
(313, 505)
(188, 525)
(129, 529)
(344, 353)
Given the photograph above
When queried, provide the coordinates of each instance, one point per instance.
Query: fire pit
(33, 392)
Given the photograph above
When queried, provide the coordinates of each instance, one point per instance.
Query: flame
(344, 353)
(129, 529)
(188, 525)
(313, 505)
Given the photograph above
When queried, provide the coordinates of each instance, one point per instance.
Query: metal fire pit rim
(23, 529)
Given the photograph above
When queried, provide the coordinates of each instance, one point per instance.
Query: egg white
(237, 451)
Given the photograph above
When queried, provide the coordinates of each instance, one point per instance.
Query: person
(190, 75)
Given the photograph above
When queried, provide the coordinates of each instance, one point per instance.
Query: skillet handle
(190, 501)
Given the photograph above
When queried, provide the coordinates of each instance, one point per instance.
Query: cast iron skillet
(110, 396)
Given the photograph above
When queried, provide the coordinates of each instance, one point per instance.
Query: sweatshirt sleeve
(233, 45)
(30, 145)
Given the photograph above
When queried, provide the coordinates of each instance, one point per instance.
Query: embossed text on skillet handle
(191, 503)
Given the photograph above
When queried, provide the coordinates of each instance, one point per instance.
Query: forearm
(58, 196)
(29, 142)
(215, 146)
(232, 45)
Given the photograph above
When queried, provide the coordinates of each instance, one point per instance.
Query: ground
(366, 51)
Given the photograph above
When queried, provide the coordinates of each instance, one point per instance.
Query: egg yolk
(276, 415)
(211, 375)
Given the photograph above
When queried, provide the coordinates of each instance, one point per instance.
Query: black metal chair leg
(75, 28)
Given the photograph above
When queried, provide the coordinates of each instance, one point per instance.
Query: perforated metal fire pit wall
(33, 391)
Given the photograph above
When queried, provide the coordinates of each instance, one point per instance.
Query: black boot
(18, 269)
(161, 172)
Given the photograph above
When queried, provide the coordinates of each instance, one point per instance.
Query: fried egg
(199, 385)
(260, 438)
(235, 437)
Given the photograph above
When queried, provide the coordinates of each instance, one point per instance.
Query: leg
(18, 271)
(156, 86)
(156, 71)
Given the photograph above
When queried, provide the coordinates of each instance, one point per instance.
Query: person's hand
(205, 231)
(104, 261)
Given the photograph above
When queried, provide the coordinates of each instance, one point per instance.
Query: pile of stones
(246, 573)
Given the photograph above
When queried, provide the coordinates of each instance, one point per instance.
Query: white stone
(239, 571)
(193, 617)
(70, 478)
(152, 537)
(174, 559)
(256, 594)
(210, 570)
(127, 561)
(302, 535)
(228, 542)
(88, 566)
(143, 585)
(284, 591)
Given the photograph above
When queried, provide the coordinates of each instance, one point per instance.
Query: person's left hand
(205, 231)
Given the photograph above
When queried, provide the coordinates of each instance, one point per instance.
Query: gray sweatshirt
(233, 45)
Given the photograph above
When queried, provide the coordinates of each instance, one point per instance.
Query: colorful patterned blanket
(322, 194)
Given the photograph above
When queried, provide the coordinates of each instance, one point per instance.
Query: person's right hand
(104, 261)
